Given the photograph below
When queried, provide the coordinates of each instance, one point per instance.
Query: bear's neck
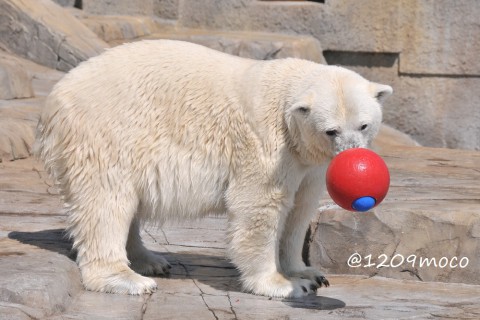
(266, 89)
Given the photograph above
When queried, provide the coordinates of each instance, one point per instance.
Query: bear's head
(335, 109)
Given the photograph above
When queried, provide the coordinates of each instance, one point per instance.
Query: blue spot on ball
(363, 204)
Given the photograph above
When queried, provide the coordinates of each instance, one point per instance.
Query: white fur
(170, 130)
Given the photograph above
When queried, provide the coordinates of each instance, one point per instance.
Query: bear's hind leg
(141, 259)
(99, 223)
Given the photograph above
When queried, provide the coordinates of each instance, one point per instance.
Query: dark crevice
(361, 59)
(78, 4)
(382, 60)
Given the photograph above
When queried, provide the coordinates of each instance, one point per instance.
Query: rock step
(256, 45)
(432, 212)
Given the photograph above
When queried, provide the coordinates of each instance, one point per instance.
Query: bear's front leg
(296, 224)
(256, 218)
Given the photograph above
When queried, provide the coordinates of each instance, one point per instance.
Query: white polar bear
(170, 130)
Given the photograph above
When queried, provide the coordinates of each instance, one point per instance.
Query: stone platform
(39, 279)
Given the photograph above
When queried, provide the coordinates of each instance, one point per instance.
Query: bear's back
(145, 97)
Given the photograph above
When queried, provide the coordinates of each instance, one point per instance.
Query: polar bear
(169, 130)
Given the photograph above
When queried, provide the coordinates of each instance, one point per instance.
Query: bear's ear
(380, 91)
(300, 108)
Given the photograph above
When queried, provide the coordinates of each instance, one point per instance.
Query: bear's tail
(50, 142)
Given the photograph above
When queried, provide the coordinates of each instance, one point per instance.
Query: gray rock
(18, 117)
(15, 82)
(119, 29)
(119, 7)
(166, 9)
(44, 32)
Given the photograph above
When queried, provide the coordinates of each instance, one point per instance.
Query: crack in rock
(202, 294)
(231, 306)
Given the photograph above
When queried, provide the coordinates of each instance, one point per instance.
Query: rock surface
(436, 111)
(431, 214)
(119, 7)
(18, 117)
(39, 280)
(15, 83)
(38, 30)
(254, 45)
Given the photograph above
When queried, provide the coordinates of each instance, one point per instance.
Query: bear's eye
(331, 133)
(364, 127)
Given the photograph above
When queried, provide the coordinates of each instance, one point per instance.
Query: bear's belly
(184, 184)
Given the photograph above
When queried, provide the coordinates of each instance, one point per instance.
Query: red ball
(357, 179)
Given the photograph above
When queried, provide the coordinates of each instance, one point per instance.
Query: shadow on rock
(55, 240)
(206, 270)
(315, 302)
(218, 273)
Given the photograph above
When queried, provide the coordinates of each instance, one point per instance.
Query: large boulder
(46, 33)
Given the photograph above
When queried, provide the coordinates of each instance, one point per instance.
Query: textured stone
(49, 289)
(427, 34)
(119, 28)
(432, 211)
(165, 9)
(46, 33)
(18, 118)
(100, 306)
(442, 38)
(122, 7)
(255, 45)
(14, 79)
(389, 137)
(435, 111)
